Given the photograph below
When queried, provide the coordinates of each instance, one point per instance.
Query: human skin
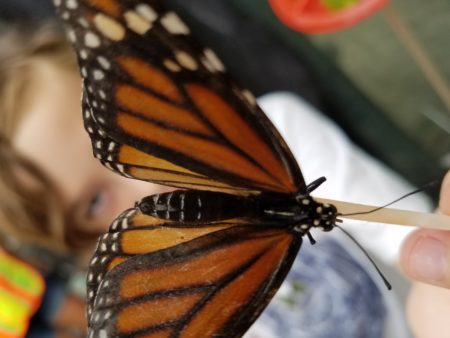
(51, 134)
(425, 258)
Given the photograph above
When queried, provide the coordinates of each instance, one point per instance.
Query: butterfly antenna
(421, 189)
(353, 239)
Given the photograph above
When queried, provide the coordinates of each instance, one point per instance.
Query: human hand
(425, 255)
(425, 258)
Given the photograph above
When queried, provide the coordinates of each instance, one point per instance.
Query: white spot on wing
(124, 224)
(98, 75)
(91, 40)
(214, 60)
(72, 4)
(104, 63)
(71, 36)
(186, 60)
(83, 22)
(83, 54)
(248, 96)
(114, 225)
(173, 24)
(172, 65)
(146, 12)
(109, 27)
(137, 23)
(121, 168)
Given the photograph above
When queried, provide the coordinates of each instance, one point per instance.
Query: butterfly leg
(315, 184)
(311, 238)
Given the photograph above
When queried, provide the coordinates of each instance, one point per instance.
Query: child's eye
(96, 205)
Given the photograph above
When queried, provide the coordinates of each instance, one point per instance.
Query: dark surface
(25, 10)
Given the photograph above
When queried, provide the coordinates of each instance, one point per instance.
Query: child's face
(52, 136)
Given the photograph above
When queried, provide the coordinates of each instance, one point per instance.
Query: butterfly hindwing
(215, 278)
(133, 233)
(151, 87)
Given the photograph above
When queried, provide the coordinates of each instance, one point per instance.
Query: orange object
(324, 16)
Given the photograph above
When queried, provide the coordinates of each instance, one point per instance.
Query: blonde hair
(28, 216)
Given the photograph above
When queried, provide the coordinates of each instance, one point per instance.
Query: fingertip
(405, 252)
(425, 257)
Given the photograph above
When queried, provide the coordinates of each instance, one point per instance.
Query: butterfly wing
(215, 279)
(169, 106)
(131, 162)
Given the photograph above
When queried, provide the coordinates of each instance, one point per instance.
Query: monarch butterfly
(201, 262)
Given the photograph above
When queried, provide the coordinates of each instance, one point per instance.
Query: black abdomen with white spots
(297, 212)
(194, 206)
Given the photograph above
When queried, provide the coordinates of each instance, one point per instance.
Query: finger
(427, 311)
(425, 257)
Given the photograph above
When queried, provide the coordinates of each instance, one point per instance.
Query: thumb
(425, 257)
(425, 254)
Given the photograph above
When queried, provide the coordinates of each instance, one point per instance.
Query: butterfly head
(322, 216)
(325, 217)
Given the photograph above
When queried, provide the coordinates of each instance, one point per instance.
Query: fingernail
(428, 260)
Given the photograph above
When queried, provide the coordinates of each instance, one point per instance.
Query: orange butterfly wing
(153, 90)
(214, 279)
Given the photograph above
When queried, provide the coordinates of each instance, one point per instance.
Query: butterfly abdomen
(194, 206)
(200, 206)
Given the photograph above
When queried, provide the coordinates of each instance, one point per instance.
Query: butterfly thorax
(299, 212)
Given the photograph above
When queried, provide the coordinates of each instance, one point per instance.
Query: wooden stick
(391, 216)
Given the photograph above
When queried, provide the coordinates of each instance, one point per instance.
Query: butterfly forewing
(215, 278)
(133, 163)
(150, 86)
